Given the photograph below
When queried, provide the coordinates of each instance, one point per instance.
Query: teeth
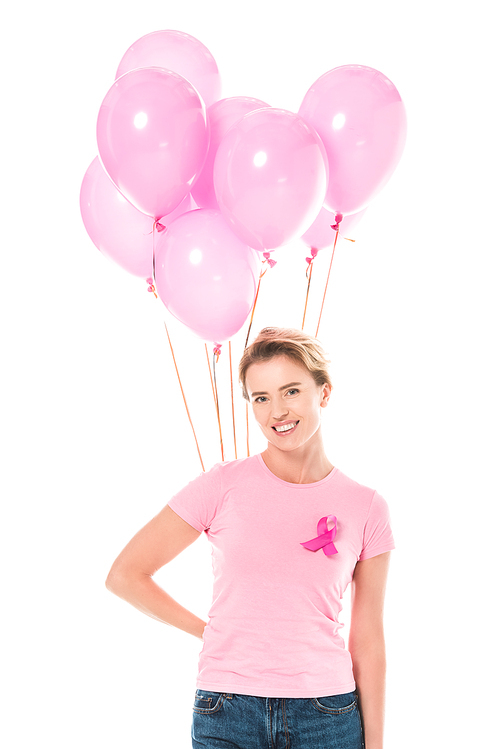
(285, 428)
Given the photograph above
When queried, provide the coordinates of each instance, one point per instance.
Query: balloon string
(184, 397)
(232, 401)
(213, 389)
(150, 281)
(210, 372)
(253, 308)
(270, 264)
(327, 279)
(257, 296)
(248, 434)
(310, 261)
(215, 360)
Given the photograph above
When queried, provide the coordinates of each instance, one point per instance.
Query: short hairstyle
(294, 344)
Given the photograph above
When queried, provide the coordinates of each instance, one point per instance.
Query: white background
(95, 434)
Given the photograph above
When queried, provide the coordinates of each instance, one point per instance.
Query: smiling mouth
(285, 428)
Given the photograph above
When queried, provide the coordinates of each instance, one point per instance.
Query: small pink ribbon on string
(324, 539)
(338, 219)
(217, 350)
(270, 261)
(314, 252)
(309, 261)
(336, 227)
(151, 286)
(158, 226)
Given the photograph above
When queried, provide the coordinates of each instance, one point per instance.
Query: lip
(284, 423)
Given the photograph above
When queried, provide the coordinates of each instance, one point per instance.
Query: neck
(306, 465)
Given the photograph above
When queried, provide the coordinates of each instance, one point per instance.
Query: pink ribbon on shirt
(324, 539)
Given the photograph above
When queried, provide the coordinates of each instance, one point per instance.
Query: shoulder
(234, 470)
(226, 469)
(353, 488)
(364, 500)
(224, 474)
(205, 496)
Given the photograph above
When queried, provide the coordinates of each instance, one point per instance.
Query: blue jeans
(239, 721)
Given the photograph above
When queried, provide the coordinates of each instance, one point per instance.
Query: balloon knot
(314, 252)
(269, 261)
(338, 219)
(159, 226)
(151, 287)
(217, 350)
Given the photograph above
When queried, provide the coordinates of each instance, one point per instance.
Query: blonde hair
(294, 344)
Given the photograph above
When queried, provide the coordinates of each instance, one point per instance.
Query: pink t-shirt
(273, 628)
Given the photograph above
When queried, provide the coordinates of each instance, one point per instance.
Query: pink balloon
(153, 138)
(270, 177)
(359, 116)
(177, 51)
(221, 116)
(320, 234)
(206, 277)
(118, 230)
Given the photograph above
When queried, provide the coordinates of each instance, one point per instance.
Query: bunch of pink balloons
(188, 186)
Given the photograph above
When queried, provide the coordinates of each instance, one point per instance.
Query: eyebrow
(284, 387)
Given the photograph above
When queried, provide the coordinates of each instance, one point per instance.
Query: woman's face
(286, 401)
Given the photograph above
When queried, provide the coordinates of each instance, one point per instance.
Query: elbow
(111, 582)
(373, 653)
(115, 580)
(122, 580)
(367, 643)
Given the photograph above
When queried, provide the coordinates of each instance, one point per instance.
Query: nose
(277, 414)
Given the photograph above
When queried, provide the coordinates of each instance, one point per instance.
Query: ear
(327, 391)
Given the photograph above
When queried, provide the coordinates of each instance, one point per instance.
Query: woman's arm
(367, 644)
(130, 577)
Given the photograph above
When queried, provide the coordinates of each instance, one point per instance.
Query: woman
(289, 532)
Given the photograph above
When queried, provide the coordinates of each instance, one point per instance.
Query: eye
(292, 390)
(260, 399)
